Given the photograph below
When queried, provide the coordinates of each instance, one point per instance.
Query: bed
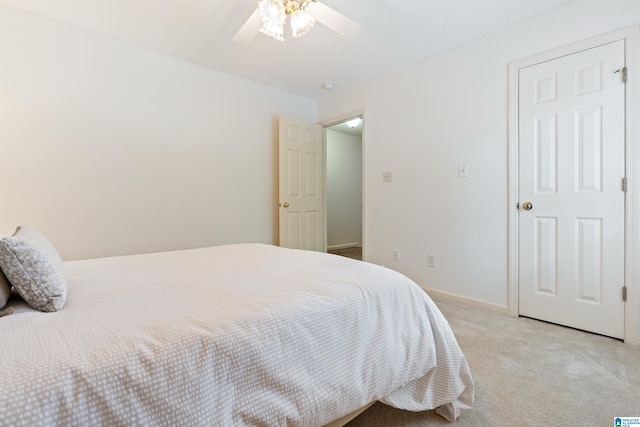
(233, 335)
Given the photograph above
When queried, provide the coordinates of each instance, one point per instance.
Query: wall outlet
(386, 177)
(431, 261)
(396, 255)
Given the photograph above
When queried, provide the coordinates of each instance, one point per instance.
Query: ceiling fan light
(289, 7)
(273, 17)
(274, 31)
(301, 23)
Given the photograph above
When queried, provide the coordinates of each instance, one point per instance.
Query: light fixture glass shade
(273, 17)
(301, 23)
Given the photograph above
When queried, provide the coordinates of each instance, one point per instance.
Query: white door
(571, 198)
(301, 189)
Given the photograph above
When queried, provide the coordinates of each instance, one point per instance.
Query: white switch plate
(386, 176)
(396, 255)
(463, 170)
(431, 260)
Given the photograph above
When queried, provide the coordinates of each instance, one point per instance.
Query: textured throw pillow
(5, 290)
(34, 268)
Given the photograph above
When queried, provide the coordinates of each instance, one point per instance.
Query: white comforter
(228, 336)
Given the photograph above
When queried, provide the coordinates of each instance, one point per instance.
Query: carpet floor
(532, 373)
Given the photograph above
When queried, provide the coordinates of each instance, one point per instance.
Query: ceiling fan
(271, 15)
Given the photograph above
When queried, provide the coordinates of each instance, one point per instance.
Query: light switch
(463, 170)
(431, 260)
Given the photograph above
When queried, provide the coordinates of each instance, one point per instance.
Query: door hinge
(624, 293)
(624, 184)
(623, 73)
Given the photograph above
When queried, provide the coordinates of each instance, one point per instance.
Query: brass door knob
(285, 205)
(527, 206)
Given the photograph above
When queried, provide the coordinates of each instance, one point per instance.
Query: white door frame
(328, 123)
(632, 165)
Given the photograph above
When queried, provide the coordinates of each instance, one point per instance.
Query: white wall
(113, 149)
(423, 121)
(344, 189)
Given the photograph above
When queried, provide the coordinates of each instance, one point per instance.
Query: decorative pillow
(34, 268)
(5, 290)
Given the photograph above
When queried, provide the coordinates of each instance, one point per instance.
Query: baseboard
(461, 299)
(344, 246)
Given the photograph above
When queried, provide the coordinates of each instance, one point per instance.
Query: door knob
(285, 204)
(527, 206)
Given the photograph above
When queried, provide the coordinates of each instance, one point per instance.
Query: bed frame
(340, 422)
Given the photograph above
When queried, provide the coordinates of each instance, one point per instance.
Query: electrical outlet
(396, 255)
(431, 261)
(386, 177)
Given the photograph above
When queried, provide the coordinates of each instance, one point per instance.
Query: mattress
(235, 335)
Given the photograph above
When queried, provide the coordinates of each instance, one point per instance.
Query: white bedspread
(233, 335)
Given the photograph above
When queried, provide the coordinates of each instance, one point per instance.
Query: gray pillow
(5, 290)
(34, 268)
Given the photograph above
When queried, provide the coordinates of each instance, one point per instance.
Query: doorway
(344, 187)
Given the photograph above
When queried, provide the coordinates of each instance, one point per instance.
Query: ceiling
(344, 128)
(397, 33)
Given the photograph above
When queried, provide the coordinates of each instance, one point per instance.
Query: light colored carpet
(531, 373)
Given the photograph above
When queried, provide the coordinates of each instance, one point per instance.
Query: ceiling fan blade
(249, 29)
(335, 20)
